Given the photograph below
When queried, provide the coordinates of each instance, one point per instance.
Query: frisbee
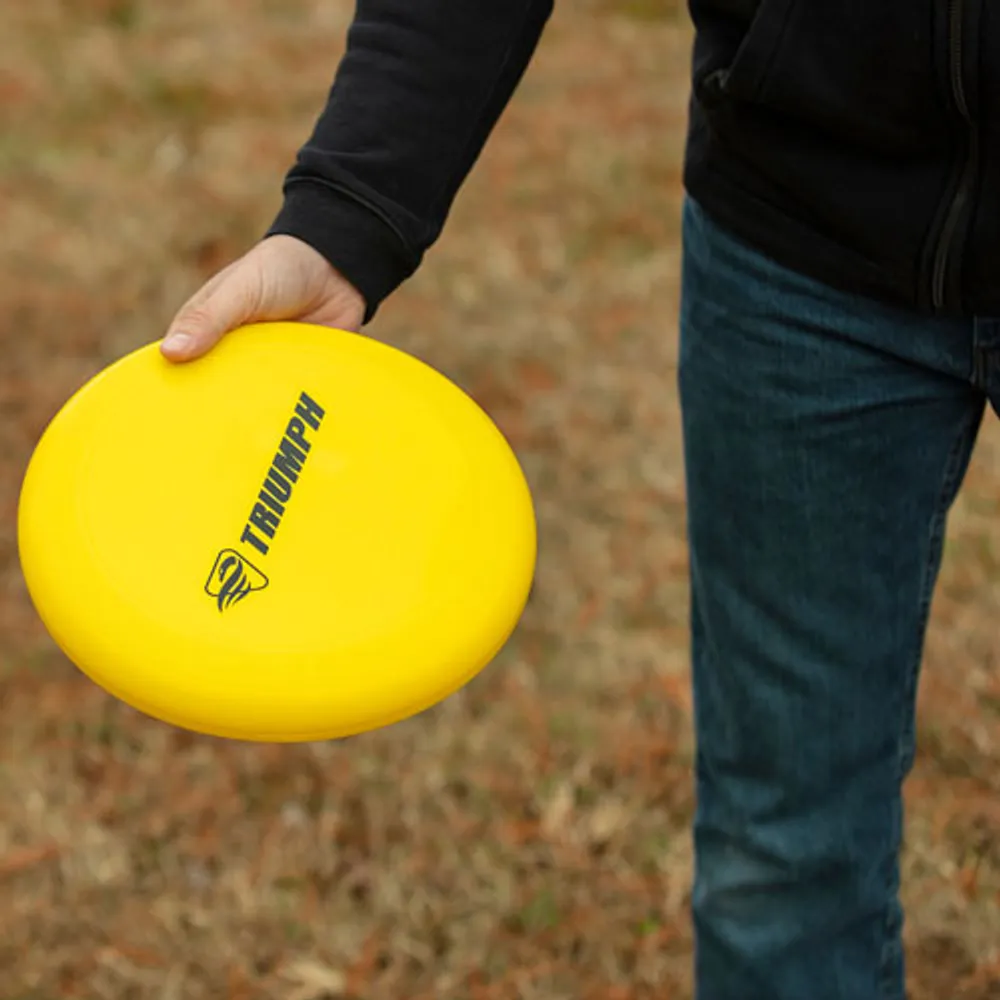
(304, 535)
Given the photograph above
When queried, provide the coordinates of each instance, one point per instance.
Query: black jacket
(855, 140)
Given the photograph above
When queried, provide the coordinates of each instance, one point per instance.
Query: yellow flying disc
(303, 535)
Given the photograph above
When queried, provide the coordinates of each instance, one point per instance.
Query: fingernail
(178, 342)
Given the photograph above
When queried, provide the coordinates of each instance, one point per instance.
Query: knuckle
(195, 317)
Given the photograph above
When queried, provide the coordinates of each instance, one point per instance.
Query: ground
(529, 837)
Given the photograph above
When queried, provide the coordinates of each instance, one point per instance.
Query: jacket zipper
(949, 231)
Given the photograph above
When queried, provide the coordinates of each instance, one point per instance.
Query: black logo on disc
(233, 576)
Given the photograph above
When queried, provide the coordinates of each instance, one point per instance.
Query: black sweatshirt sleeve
(421, 86)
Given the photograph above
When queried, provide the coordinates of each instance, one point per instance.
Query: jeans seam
(936, 532)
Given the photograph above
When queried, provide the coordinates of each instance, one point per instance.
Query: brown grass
(528, 838)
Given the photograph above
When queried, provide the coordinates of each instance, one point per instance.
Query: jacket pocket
(865, 74)
(740, 74)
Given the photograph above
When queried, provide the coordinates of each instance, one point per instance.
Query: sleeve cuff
(352, 236)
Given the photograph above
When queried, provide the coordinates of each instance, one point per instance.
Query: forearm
(420, 88)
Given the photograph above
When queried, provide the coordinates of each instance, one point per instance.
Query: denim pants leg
(825, 438)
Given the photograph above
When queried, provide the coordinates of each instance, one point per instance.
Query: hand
(281, 278)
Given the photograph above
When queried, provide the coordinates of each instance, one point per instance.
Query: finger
(225, 302)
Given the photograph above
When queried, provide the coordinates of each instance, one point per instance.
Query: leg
(825, 438)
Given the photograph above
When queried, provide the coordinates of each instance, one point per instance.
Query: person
(839, 341)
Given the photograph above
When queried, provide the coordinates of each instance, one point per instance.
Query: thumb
(227, 301)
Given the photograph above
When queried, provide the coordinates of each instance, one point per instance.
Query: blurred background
(529, 837)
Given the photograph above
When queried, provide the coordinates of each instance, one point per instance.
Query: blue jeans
(825, 438)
